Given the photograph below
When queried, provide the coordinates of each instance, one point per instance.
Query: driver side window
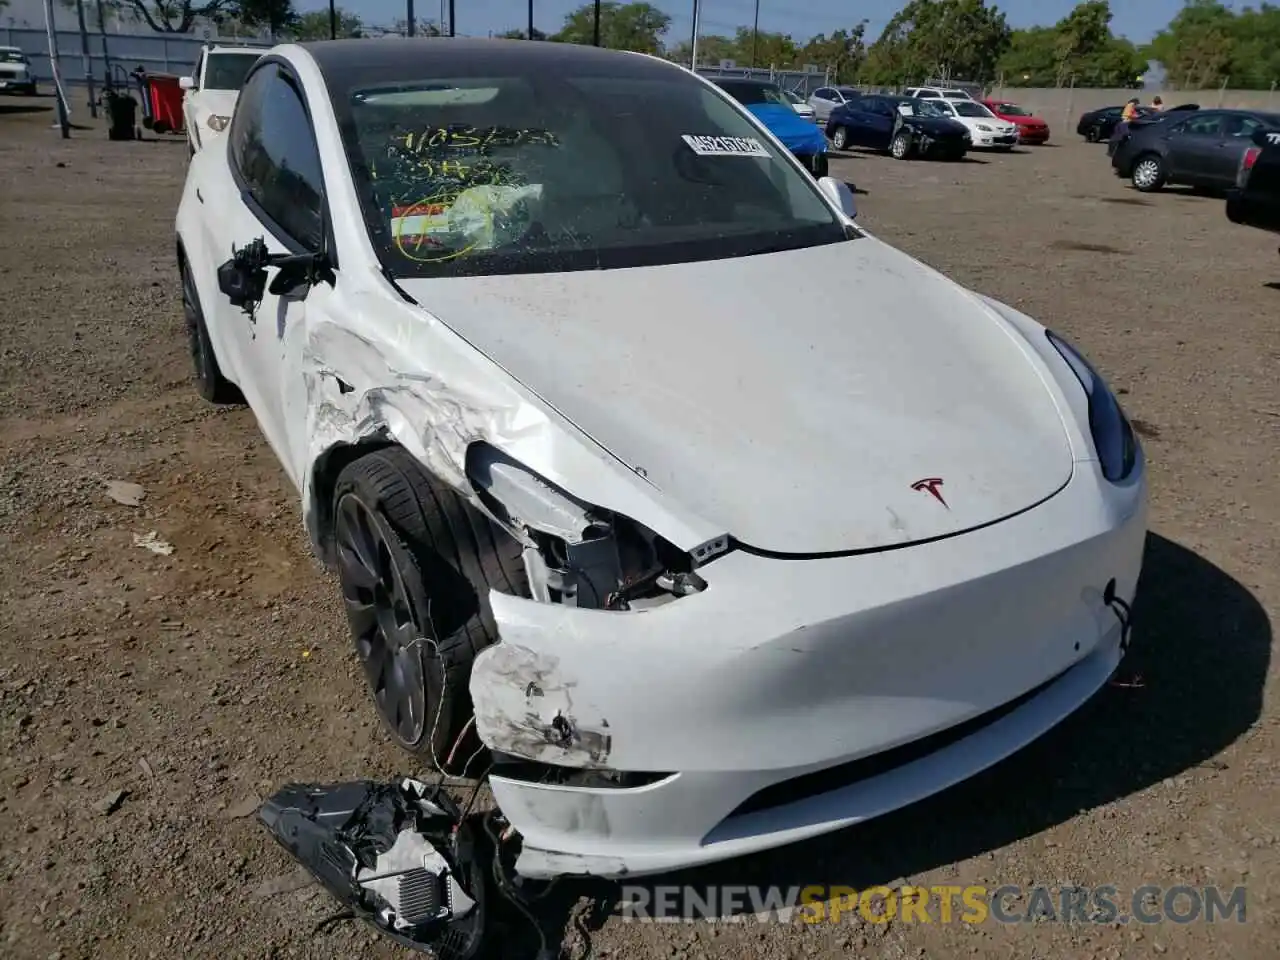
(273, 148)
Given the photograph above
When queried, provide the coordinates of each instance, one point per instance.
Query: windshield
(12, 56)
(1013, 110)
(753, 92)
(543, 173)
(970, 108)
(794, 97)
(226, 71)
(849, 93)
(920, 108)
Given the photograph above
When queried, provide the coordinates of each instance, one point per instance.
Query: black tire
(819, 165)
(900, 146)
(210, 383)
(416, 563)
(1093, 135)
(840, 138)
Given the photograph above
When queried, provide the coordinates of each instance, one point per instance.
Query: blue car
(770, 106)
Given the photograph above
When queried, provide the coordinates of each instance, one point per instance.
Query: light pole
(333, 20)
(408, 14)
(596, 33)
(530, 19)
(755, 35)
(452, 32)
(693, 52)
(88, 60)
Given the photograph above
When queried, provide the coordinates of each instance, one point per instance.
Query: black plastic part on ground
(335, 829)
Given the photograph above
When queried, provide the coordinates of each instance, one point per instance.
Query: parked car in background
(770, 106)
(212, 90)
(1254, 201)
(1155, 116)
(905, 127)
(1031, 129)
(799, 104)
(1201, 149)
(1097, 125)
(938, 93)
(825, 99)
(15, 72)
(985, 128)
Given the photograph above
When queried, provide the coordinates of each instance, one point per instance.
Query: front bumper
(1033, 135)
(981, 139)
(736, 699)
(19, 83)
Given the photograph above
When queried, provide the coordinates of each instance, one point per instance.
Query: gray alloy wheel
(1148, 174)
(900, 147)
(840, 138)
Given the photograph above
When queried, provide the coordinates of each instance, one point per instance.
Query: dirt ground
(199, 681)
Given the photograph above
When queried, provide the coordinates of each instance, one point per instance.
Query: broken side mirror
(243, 278)
(295, 278)
(838, 192)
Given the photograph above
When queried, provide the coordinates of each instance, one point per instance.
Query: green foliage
(623, 26)
(962, 39)
(1208, 44)
(1078, 49)
(314, 25)
(275, 16)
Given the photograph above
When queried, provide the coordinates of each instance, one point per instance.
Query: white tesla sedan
(611, 494)
(985, 127)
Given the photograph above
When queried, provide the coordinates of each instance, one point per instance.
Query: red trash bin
(165, 95)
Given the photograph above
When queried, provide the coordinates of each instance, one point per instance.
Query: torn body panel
(409, 380)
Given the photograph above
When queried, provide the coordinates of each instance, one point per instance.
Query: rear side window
(274, 150)
(1209, 125)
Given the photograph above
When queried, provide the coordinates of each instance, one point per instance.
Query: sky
(1136, 19)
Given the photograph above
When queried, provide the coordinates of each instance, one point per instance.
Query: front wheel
(840, 138)
(1148, 174)
(1093, 135)
(900, 148)
(416, 564)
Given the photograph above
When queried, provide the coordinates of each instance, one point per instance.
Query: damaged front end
(397, 855)
(578, 554)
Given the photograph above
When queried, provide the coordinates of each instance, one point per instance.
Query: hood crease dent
(797, 419)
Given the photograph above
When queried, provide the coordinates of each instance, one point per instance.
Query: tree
(1207, 44)
(623, 26)
(314, 25)
(520, 34)
(275, 16)
(843, 53)
(959, 38)
(1078, 49)
(711, 50)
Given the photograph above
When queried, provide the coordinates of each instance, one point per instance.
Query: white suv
(15, 72)
(937, 93)
(212, 90)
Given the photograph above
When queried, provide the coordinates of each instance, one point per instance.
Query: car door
(882, 121)
(1236, 137)
(1193, 148)
(274, 191)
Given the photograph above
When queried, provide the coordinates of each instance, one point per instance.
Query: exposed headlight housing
(983, 126)
(1113, 436)
(218, 123)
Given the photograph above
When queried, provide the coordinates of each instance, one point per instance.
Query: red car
(1031, 129)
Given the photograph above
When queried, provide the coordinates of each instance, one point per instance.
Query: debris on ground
(111, 802)
(122, 491)
(297, 879)
(152, 542)
(397, 856)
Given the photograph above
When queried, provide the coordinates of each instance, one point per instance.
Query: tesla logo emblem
(931, 485)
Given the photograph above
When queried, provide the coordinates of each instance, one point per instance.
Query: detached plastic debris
(396, 855)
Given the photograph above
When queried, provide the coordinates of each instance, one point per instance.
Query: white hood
(213, 103)
(792, 399)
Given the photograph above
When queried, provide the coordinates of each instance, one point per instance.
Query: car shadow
(857, 190)
(1200, 657)
(19, 108)
(1272, 284)
(967, 159)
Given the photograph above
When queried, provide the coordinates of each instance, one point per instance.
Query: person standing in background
(1157, 102)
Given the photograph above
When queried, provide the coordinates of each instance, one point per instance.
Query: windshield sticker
(726, 146)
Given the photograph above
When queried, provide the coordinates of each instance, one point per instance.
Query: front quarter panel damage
(375, 369)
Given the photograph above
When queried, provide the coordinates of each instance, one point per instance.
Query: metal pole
(755, 35)
(88, 60)
(106, 60)
(64, 119)
(693, 51)
(596, 32)
(530, 19)
(452, 26)
(408, 13)
(333, 20)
